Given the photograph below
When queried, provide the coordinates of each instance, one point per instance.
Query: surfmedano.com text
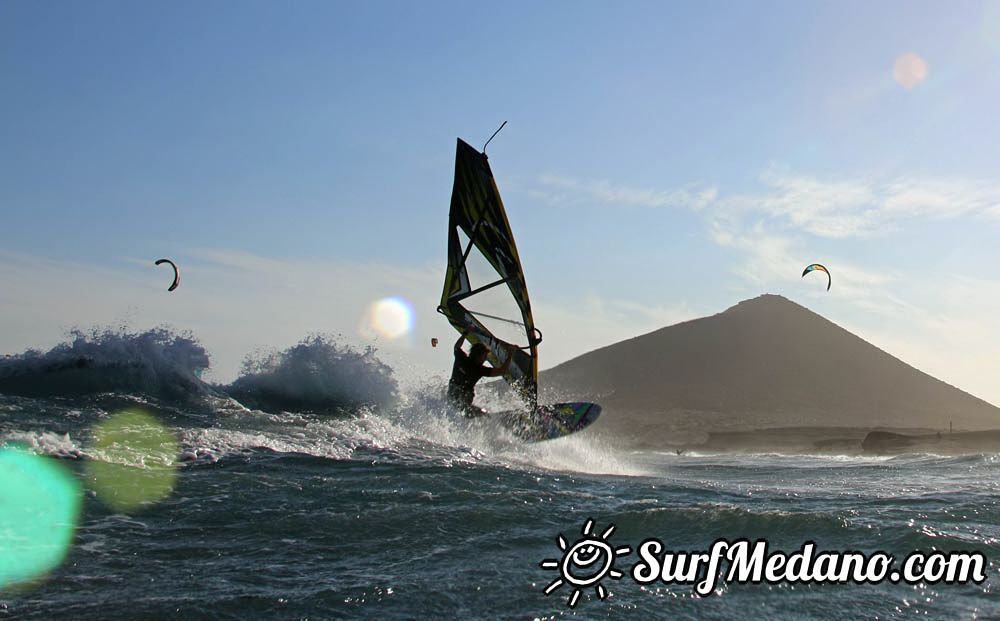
(751, 562)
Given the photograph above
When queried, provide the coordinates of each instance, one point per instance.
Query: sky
(661, 162)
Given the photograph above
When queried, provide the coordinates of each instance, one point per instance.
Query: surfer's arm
(458, 343)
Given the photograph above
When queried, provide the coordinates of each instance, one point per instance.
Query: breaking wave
(316, 375)
(157, 363)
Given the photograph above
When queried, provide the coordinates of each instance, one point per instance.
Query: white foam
(45, 442)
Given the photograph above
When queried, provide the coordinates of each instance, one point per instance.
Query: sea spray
(316, 375)
(158, 363)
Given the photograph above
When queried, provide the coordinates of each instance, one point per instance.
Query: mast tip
(493, 136)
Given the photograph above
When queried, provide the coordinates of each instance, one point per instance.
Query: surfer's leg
(464, 404)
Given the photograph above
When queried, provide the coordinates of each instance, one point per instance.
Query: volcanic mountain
(766, 362)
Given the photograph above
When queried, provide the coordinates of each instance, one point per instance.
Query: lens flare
(390, 318)
(909, 70)
(39, 508)
(133, 461)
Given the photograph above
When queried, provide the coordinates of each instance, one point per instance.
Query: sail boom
(510, 321)
(480, 290)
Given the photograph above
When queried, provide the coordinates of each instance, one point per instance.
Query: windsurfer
(469, 369)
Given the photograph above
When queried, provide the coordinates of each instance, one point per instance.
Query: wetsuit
(462, 386)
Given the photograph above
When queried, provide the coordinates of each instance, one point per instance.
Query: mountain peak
(766, 301)
(765, 298)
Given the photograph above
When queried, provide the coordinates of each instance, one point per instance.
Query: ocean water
(404, 510)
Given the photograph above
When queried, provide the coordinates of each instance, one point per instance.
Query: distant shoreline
(841, 441)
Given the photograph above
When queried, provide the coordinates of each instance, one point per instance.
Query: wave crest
(316, 375)
(156, 362)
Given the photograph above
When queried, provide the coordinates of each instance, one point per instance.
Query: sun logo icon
(585, 563)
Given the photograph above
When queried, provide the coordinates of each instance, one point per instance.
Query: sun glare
(909, 70)
(134, 461)
(390, 318)
(39, 509)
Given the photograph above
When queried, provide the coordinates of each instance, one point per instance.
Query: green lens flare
(39, 508)
(133, 461)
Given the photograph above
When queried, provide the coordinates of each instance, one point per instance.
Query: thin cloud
(830, 208)
(863, 207)
(562, 191)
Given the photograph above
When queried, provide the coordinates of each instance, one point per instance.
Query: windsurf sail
(484, 288)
